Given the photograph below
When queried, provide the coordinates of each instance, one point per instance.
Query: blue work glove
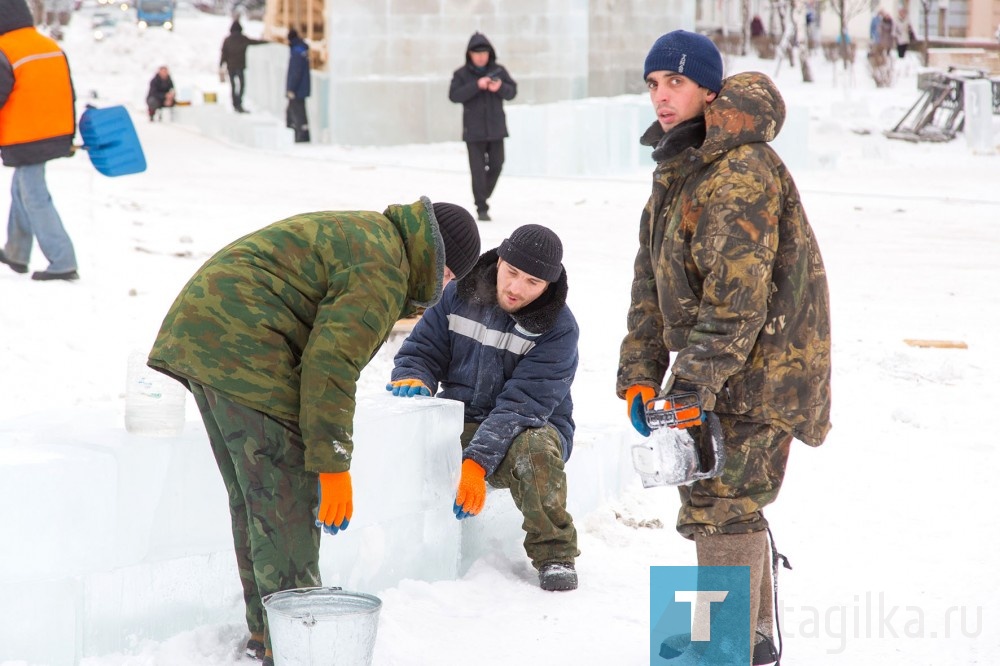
(636, 398)
(407, 388)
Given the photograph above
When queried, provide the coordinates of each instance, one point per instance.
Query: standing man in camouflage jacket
(729, 278)
(270, 336)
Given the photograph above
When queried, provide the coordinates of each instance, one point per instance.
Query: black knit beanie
(461, 238)
(534, 249)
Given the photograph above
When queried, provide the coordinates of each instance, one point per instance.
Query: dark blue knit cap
(688, 53)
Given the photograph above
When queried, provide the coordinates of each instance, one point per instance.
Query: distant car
(103, 24)
(151, 13)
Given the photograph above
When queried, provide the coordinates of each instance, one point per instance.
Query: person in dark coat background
(481, 86)
(297, 86)
(234, 61)
(161, 92)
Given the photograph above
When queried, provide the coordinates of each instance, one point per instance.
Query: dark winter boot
(557, 576)
(14, 266)
(764, 652)
(255, 646)
(268, 659)
(46, 275)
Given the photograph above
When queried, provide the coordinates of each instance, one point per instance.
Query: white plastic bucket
(154, 403)
(322, 626)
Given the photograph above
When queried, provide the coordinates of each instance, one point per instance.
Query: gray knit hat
(14, 15)
(688, 53)
(461, 238)
(534, 249)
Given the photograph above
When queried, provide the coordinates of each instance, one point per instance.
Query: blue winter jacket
(512, 371)
(298, 80)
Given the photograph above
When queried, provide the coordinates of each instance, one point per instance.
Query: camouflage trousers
(534, 472)
(271, 500)
(733, 502)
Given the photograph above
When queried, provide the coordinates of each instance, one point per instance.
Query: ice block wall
(110, 538)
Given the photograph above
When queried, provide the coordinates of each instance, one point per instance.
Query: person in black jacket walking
(481, 86)
(234, 61)
(503, 342)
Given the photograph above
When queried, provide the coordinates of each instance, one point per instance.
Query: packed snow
(887, 525)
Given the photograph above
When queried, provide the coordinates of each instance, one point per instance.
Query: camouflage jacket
(728, 275)
(284, 319)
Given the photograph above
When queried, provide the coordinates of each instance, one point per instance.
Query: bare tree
(925, 5)
(745, 15)
(791, 17)
(845, 11)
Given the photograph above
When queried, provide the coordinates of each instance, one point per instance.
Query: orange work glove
(471, 490)
(636, 397)
(336, 504)
(685, 401)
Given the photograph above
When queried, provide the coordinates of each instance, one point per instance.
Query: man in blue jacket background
(503, 342)
(298, 86)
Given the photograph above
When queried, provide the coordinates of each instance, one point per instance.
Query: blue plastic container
(111, 142)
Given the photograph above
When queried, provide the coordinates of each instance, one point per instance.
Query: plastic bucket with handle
(322, 626)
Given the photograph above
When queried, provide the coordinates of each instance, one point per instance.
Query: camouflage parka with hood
(728, 275)
(284, 319)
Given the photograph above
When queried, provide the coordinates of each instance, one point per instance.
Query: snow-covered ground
(888, 525)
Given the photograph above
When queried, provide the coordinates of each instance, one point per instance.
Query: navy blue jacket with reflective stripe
(508, 378)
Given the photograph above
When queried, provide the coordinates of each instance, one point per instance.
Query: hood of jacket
(235, 28)
(748, 109)
(479, 40)
(424, 248)
(14, 15)
(539, 316)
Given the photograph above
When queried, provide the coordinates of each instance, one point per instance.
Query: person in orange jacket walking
(37, 124)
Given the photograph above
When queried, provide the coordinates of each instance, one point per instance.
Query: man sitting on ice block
(503, 342)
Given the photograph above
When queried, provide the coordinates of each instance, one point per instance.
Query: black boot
(14, 266)
(255, 647)
(557, 576)
(46, 275)
(764, 652)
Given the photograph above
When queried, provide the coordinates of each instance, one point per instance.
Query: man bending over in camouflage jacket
(270, 336)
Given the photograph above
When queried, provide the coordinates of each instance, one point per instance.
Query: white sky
(894, 507)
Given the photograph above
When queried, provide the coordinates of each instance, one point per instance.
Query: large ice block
(404, 473)
(598, 471)
(114, 538)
